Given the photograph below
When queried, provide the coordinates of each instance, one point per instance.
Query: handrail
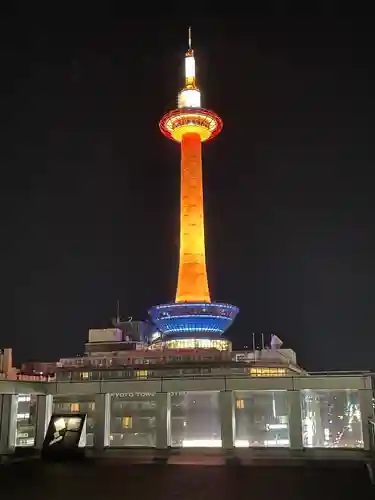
(199, 376)
(152, 367)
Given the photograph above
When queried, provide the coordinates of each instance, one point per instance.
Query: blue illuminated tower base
(193, 324)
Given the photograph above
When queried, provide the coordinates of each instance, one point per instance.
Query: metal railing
(100, 375)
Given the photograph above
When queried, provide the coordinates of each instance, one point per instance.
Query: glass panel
(78, 404)
(26, 420)
(331, 419)
(133, 419)
(261, 418)
(195, 419)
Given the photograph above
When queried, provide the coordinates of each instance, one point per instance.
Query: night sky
(90, 188)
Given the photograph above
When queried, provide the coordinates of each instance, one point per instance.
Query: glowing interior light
(277, 426)
(201, 443)
(190, 67)
(309, 431)
(189, 98)
(24, 398)
(277, 442)
(241, 443)
(59, 424)
(155, 336)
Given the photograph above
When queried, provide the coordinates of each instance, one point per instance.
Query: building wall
(105, 335)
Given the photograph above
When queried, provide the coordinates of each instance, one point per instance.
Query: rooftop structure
(28, 372)
(107, 355)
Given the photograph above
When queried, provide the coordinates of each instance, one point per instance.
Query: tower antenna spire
(189, 37)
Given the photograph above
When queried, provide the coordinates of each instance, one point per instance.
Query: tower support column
(192, 276)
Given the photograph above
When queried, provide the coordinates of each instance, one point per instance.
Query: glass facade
(26, 420)
(195, 419)
(261, 418)
(78, 404)
(133, 419)
(331, 419)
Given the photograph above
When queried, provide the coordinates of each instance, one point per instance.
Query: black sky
(90, 188)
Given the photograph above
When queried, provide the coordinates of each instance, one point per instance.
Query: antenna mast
(118, 312)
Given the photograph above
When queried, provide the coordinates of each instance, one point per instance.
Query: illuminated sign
(119, 395)
(133, 394)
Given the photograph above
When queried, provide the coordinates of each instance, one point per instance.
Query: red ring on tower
(184, 120)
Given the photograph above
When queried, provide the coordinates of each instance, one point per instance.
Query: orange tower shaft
(192, 275)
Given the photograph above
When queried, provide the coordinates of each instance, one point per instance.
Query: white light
(189, 67)
(309, 431)
(241, 443)
(189, 98)
(155, 336)
(59, 424)
(23, 416)
(22, 434)
(24, 399)
(26, 442)
(274, 405)
(277, 426)
(201, 443)
(277, 442)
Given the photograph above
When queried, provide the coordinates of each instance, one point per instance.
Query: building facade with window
(227, 412)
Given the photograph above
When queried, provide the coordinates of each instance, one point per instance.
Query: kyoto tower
(192, 321)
